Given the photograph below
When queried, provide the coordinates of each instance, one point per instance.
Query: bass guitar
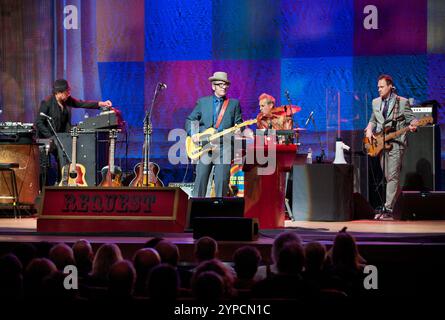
(374, 146)
(146, 171)
(73, 174)
(111, 174)
(206, 140)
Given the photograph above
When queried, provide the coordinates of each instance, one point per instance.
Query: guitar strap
(395, 112)
(221, 113)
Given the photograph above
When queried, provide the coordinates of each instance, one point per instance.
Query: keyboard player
(57, 108)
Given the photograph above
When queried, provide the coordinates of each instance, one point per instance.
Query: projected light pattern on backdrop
(310, 48)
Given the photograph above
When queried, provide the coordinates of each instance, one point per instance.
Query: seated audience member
(121, 280)
(169, 253)
(83, 255)
(246, 260)
(144, 260)
(287, 282)
(11, 278)
(278, 244)
(36, 271)
(314, 273)
(346, 270)
(62, 255)
(53, 288)
(163, 283)
(222, 270)
(206, 248)
(107, 255)
(208, 287)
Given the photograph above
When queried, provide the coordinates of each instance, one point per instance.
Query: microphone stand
(66, 157)
(60, 144)
(319, 158)
(148, 130)
(289, 101)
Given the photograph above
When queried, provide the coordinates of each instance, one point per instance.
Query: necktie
(217, 109)
(385, 109)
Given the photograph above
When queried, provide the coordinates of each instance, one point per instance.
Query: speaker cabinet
(421, 168)
(323, 192)
(92, 152)
(415, 205)
(214, 207)
(226, 228)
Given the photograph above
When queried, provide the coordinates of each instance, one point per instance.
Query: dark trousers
(222, 162)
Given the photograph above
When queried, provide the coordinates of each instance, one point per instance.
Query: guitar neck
(111, 161)
(146, 152)
(74, 152)
(395, 134)
(420, 123)
(226, 131)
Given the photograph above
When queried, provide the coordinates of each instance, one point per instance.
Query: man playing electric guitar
(219, 112)
(390, 110)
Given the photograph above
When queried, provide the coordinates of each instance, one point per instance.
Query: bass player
(390, 110)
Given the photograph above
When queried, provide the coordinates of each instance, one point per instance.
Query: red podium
(264, 195)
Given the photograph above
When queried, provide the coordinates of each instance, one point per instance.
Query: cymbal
(291, 109)
(300, 129)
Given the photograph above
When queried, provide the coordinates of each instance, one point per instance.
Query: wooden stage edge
(376, 239)
(29, 224)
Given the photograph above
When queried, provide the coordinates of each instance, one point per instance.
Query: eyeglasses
(222, 85)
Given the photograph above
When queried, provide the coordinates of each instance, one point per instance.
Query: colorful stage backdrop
(327, 54)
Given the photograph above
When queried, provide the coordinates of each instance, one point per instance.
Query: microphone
(162, 86)
(46, 116)
(309, 118)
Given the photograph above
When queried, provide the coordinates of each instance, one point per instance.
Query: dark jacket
(203, 112)
(61, 118)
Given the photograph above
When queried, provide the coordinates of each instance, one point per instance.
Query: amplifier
(105, 120)
(187, 187)
(426, 109)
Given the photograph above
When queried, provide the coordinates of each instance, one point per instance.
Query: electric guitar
(375, 146)
(73, 174)
(111, 174)
(207, 138)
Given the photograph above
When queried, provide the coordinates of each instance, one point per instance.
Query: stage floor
(29, 224)
(373, 237)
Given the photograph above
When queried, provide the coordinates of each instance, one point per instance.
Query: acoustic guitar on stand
(111, 174)
(146, 171)
(375, 146)
(73, 174)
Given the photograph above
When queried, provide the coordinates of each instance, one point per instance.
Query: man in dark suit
(221, 113)
(57, 107)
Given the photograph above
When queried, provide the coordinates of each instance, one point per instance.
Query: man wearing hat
(219, 112)
(57, 107)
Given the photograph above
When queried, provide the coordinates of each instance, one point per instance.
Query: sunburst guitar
(375, 146)
(207, 138)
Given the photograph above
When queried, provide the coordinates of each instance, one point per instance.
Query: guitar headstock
(113, 134)
(75, 131)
